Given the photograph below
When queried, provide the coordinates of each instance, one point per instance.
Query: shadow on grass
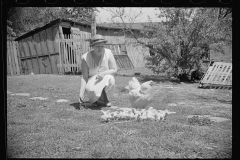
(156, 79)
(125, 75)
(162, 79)
(122, 89)
(78, 107)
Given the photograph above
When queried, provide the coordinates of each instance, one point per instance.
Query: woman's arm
(84, 78)
(112, 66)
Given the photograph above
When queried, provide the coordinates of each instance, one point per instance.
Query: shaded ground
(47, 129)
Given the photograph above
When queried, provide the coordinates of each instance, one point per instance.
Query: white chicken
(146, 87)
(133, 84)
(140, 96)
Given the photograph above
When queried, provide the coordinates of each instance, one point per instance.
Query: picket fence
(220, 73)
(72, 50)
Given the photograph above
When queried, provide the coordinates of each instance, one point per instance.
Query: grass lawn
(47, 129)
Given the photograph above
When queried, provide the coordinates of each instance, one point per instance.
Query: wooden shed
(56, 48)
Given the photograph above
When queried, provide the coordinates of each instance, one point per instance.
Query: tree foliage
(24, 19)
(184, 37)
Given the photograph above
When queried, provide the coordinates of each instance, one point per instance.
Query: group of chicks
(132, 113)
(140, 96)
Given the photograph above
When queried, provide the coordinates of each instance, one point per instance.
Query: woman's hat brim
(98, 41)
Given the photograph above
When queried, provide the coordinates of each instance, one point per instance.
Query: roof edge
(59, 20)
(38, 29)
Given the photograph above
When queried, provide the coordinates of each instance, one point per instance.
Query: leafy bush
(178, 45)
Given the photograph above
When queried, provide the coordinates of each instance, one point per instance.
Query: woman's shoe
(100, 103)
(104, 104)
(109, 104)
(95, 104)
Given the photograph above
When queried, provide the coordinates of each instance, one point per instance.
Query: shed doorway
(66, 30)
(73, 46)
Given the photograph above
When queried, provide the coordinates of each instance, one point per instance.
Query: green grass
(46, 129)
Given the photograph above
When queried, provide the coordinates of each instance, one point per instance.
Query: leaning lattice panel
(219, 73)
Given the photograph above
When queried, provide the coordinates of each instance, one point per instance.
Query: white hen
(133, 84)
(139, 95)
(146, 87)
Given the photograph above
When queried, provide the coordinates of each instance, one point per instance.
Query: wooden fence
(13, 59)
(121, 56)
(69, 59)
(72, 50)
(219, 73)
(70, 53)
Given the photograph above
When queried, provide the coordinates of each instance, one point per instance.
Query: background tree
(184, 37)
(24, 19)
(124, 18)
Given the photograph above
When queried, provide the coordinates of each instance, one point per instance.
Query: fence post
(19, 58)
(60, 58)
(9, 57)
(12, 58)
(15, 57)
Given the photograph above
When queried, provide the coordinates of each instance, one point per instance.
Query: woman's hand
(100, 76)
(80, 99)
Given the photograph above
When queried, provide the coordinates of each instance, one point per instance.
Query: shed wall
(40, 51)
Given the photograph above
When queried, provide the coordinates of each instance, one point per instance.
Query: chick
(150, 114)
(121, 116)
(143, 114)
(105, 112)
(137, 112)
(115, 115)
(106, 115)
(161, 115)
(168, 112)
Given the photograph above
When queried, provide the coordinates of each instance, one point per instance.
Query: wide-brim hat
(97, 39)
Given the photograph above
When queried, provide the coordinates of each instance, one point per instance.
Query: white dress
(94, 87)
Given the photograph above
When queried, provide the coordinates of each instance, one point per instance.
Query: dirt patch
(39, 98)
(62, 100)
(20, 94)
(214, 119)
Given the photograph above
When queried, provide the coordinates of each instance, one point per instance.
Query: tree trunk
(93, 25)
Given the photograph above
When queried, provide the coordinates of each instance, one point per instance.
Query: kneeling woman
(98, 67)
